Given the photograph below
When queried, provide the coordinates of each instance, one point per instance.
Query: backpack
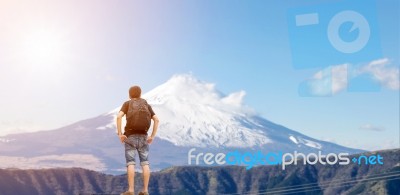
(138, 116)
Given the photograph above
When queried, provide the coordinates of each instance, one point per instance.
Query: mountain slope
(193, 114)
(193, 180)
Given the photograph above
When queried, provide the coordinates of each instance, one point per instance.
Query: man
(135, 137)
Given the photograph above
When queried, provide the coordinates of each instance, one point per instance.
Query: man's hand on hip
(122, 138)
(149, 139)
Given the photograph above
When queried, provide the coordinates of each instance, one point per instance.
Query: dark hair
(135, 92)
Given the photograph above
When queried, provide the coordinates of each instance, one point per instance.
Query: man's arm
(121, 136)
(155, 127)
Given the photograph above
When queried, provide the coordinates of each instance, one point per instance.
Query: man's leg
(146, 177)
(131, 177)
(144, 162)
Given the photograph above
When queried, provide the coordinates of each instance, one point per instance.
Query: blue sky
(61, 62)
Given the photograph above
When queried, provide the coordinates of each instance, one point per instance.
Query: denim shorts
(136, 143)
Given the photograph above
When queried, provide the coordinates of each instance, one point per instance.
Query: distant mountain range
(193, 113)
(195, 180)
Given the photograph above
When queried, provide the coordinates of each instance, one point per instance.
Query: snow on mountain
(194, 113)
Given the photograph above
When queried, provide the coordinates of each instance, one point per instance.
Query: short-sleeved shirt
(128, 130)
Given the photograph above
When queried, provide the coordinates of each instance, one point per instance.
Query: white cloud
(334, 79)
(339, 78)
(387, 76)
(370, 127)
(235, 99)
(329, 81)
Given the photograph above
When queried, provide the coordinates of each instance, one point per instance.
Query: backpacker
(138, 116)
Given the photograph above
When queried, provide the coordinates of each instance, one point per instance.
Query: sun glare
(43, 48)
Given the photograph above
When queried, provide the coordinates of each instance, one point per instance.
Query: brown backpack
(138, 116)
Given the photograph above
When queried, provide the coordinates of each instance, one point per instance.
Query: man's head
(135, 92)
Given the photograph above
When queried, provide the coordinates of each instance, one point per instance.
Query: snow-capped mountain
(192, 113)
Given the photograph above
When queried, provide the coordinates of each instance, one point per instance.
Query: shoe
(128, 193)
(143, 193)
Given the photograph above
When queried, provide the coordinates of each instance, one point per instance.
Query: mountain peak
(183, 85)
(187, 88)
(189, 79)
(196, 113)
